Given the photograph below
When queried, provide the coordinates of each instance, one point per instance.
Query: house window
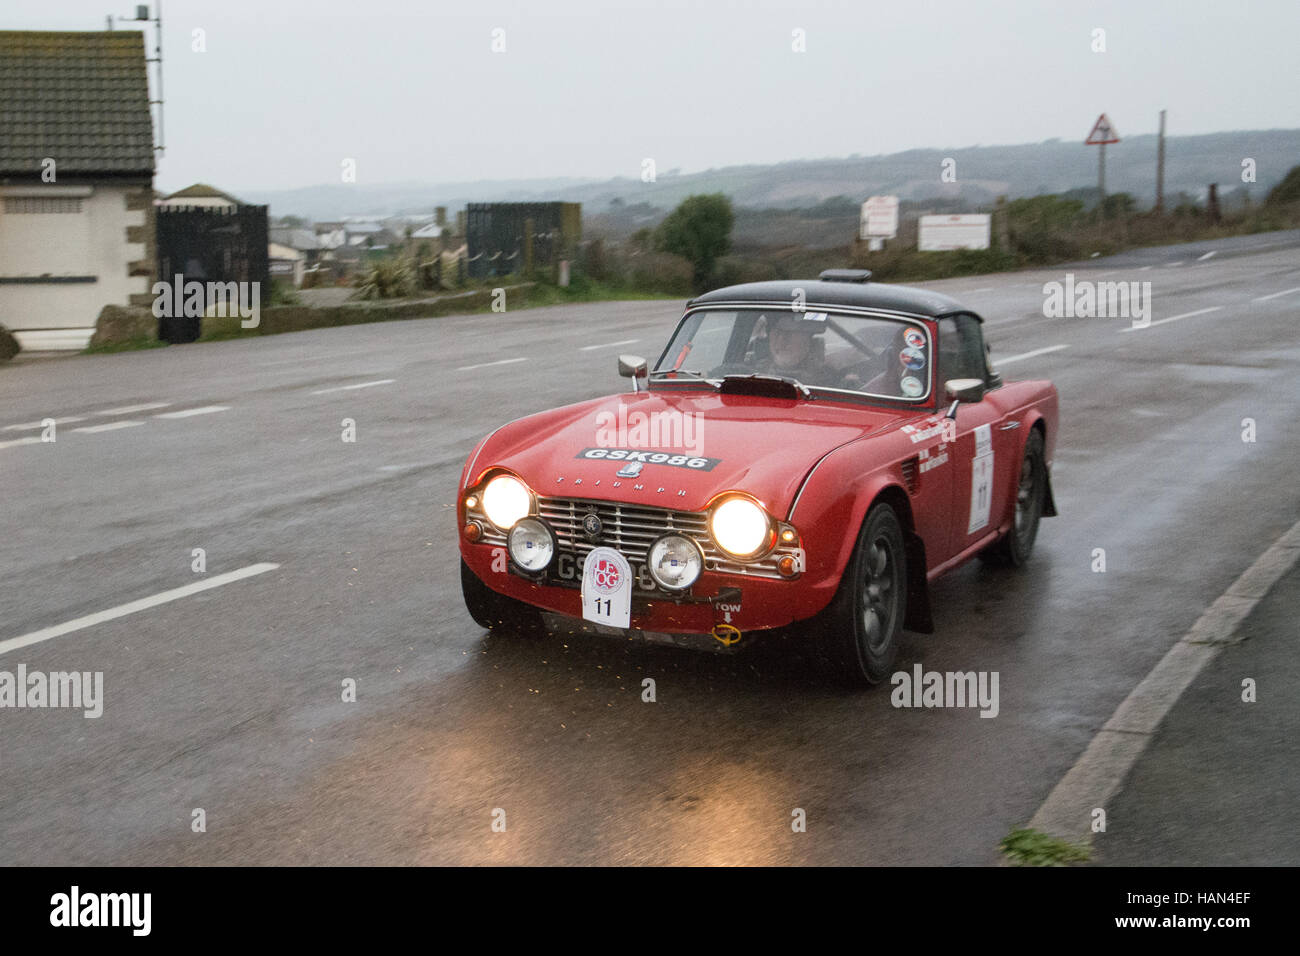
(42, 204)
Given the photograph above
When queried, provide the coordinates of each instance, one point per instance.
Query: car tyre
(857, 634)
(1031, 491)
(496, 612)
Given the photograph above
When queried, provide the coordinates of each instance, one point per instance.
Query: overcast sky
(412, 90)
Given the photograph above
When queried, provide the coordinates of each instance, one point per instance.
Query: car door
(980, 449)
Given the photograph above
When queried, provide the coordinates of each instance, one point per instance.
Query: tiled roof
(204, 191)
(81, 99)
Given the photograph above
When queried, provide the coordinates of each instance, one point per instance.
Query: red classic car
(802, 455)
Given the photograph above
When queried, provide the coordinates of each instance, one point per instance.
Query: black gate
(211, 244)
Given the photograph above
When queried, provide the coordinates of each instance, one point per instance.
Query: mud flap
(1049, 502)
(918, 591)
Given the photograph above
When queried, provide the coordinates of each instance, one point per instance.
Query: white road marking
(29, 426)
(987, 288)
(187, 412)
(132, 409)
(348, 388)
(1144, 269)
(1171, 265)
(1100, 771)
(29, 440)
(999, 362)
(1208, 255)
(122, 610)
(110, 427)
(470, 368)
(1262, 298)
(1172, 318)
(608, 345)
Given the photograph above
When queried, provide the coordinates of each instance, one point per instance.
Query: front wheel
(857, 634)
(495, 611)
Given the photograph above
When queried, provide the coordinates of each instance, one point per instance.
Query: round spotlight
(740, 527)
(675, 562)
(531, 544)
(505, 501)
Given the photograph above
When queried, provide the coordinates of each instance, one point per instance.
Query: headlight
(531, 544)
(675, 562)
(505, 501)
(740, 527)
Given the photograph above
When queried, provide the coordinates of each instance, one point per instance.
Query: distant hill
(983, 173)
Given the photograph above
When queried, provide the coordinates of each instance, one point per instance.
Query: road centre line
(29, 426)
(1208, 255)
(122, 610)
(470, 368)
(608, 345)
(1172, 318)
(187, 412)
(29, 440)
(110, 427)
(998, 363)
(132, 409)
(348, 388)
(1262, 298)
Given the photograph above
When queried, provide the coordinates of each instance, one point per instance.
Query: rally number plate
(607, 588)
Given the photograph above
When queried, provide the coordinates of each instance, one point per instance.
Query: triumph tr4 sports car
(802, 455)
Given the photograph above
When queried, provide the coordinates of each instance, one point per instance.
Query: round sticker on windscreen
(912, 358)
(911, 386)
(914, 338)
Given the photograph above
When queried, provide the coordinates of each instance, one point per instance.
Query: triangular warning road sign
(1102, 132)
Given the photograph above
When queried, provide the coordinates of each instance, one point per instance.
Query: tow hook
(726, 634)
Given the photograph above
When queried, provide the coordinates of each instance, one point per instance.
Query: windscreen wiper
(667, 372)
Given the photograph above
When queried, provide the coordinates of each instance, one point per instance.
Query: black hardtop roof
(862, 295)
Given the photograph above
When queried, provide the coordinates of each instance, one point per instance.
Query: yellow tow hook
(726, 634)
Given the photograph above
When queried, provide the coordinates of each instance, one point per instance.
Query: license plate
(607, 588)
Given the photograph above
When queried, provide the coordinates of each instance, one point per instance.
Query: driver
(794, 350)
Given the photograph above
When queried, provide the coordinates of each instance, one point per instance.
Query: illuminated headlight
(505, 501)
(675, 562)
(531, 544)
(740, 527)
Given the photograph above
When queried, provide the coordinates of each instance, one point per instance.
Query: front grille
(632, 528)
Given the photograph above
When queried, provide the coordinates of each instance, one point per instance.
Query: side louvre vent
(910, 474)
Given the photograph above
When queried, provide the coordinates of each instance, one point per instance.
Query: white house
(76, 182)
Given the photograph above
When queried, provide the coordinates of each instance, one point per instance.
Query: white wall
(91, 242)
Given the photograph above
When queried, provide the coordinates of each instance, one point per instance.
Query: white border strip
(998, 363)
(349, 388)
(470, 368)
(1172, 318)
(122, 610)
(1098, 775)
(1276, 295)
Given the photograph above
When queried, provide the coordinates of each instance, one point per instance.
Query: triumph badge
(591, 526)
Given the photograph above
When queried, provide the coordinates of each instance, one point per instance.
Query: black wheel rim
(879, 593)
